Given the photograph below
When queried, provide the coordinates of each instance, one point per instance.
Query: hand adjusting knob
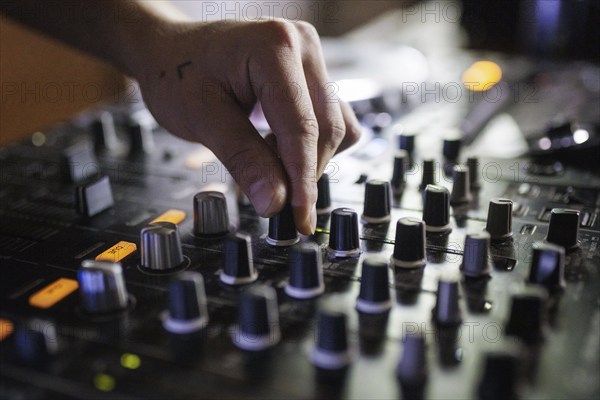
(282, 229)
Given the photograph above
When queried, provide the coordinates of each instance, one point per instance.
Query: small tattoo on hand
(180, 68)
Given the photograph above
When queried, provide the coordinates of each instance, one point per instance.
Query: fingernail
(266, 197)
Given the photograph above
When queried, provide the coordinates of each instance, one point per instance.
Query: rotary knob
(409, 246)
(210, 214)
(446, 312)
(527, 315)
(239, 267)
(141, 139)
(331, 351)
(161, 246)
(499, 380)
(499, 219)
(103, 130)
(282, 229)
(323, 195)
(306, 271)
(436, 209)
(35, 341)
(343, 234)
(564, 228)
(473, 166)
(377, 202)
(461, 189)
(548, 266)
(399, 174)
(187, 311)
(374, 296)
(476, 262)
(258, 319)
(412, 368)
(429, 176)
(102, 287)
(451, 148)
(406, 142)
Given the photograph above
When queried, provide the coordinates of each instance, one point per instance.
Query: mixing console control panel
(133, 268)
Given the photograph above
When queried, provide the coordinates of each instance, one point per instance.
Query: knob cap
(331, 351)
(377, 202)
(548, 266)
(161, 246)
(406, 142)
(476, 261)
(447, 311)
(343, 234)
(461, 189)
(409, 247)
(436, 209)
(399, 175)
(187, 311)
(102, 287)
(412, 368)
(141, 139)
(474, 172)
(239, 267)
(103, 130)
(35, 341)
(323, 195)
(94, 197)
(564, 228)
(258, 319)
(306, 271)
(527, 315)
(78, 163)
(451, 148)
(499, 380)
(210, 214)
(499, 219)
(282, 229)
(374, 296)
(429, 176)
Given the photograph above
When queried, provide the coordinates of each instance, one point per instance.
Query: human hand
(201, 81)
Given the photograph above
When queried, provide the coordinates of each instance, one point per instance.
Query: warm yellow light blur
(482, 76)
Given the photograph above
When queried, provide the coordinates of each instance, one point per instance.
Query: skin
(201, 80)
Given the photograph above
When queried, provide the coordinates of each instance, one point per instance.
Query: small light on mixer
(581, 136)
(482, 76)
(130, 361)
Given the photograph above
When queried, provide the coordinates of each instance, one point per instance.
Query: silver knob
(161, 246)
(102, 286)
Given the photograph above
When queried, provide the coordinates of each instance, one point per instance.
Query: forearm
(117, 31)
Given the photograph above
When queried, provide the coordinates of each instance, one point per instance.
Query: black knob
(331, 351)
(461, 189)
(323, 195)
(476, 261)
(187, 311)
(412, 368)
(374, 296)
(499, 379)
(239, 267)
(474, 172)
(161, 246)
(446, 312)
(451, 148)
(499, 219)
(429, 176)
(102, 287)
(399, 175)
(548, 266)
(258, 319)
(94, 197)
(141, 139)
(527, 315)
(282, 229)
(436, 209)
(103, 130)
(409, 247)
(306, 271)
(210, 214)
(564, 228)
(343, 234)
(377, 202)
(35, 341)
(406, 142)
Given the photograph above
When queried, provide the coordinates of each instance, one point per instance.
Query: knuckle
(280, 32)
(337, 132)
(307, 31)
(352, 134)
(310, 127)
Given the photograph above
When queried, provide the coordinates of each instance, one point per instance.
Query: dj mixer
(132, 267)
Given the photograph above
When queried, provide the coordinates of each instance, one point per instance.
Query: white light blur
(351, 90)
(581, 136)
(544, 143)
